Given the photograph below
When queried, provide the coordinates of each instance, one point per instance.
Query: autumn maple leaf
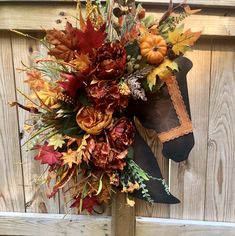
(182, 41)
(165, 69)
(87, 203)
(65, 43)
(91, 39)
(35, 80)
(71, 157)
(47, 155)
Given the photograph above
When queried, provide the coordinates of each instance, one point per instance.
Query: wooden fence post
(123, 217)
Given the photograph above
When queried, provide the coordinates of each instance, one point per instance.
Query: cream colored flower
(130, 202)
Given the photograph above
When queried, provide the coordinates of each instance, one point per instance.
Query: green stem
(36, 134)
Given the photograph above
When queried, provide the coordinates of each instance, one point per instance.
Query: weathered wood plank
(27, 16)
(53, 225)
(58, 225)
(144, 208)
(208, 3)
(162, 227)
(220, 188)
(123, 216)
(188, 178)
(11, 181)
(24, 50)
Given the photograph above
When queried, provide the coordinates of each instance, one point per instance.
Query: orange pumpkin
(154, 48)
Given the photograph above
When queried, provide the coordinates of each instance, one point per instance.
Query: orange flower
(93, 121)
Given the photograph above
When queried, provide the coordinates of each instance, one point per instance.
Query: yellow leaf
(182, 41)
(166, 68)
(70, 158)
(47, 95)
(82, 146)
(57, 141)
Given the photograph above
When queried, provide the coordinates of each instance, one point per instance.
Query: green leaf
(130, 153)
(69, 126)
(82, 98)
(148, 21)
(133, 49)
(100, 186)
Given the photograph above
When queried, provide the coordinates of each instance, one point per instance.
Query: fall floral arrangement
(80, 125)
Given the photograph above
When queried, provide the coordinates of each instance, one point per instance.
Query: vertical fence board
(123, 216)
(144, 208)
(35, 195)
(11, 181)
(220, 189)
(188, 178)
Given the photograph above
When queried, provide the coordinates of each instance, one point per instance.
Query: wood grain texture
(24, 50)
(27, 16)
(220, 188)
(144, 208)
(209, 3)
(70, 225)
(188, 178)
(163, 227)
(11, 181)
(53, 225)
(123, 216)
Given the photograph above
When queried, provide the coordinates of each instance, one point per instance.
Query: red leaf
(47, 155)
(71, 84)
(91, 38)
(87, 203)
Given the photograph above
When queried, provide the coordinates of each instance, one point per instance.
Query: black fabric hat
(147, 161)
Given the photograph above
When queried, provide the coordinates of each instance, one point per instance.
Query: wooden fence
(204, 183)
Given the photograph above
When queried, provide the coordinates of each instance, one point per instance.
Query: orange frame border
(185, 126)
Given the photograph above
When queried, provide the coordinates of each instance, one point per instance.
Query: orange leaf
(65, 43)
(189, 11)
(70, 158)
(63, 180)
(35, 80)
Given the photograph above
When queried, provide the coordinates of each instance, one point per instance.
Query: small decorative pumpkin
(154, 48)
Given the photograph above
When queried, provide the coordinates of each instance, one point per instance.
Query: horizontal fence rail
(61, 225)
(27, 16)
(204, 3)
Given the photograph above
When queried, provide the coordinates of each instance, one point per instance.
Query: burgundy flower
(107, 96)
(122, 134)
(110, 61)
(106, 158)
